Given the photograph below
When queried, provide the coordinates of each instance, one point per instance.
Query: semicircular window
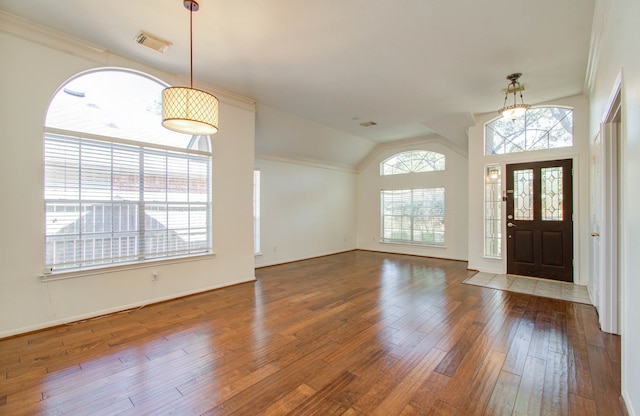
(540, 128)
(411, 162)
(118, 187)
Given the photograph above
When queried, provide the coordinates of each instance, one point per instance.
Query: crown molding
(413, 142)
(300, 160)
(43, 35)
(600, 17)
(55, 39)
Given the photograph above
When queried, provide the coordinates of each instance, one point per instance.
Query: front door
(539, 219)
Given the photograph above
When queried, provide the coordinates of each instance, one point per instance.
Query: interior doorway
(605, 214)
(540, 219)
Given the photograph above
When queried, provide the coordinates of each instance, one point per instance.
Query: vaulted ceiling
(414, 67)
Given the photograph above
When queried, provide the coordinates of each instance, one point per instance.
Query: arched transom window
(540, 128)
(118, 187)
(412, 161)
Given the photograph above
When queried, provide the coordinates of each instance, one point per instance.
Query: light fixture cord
(191, 44)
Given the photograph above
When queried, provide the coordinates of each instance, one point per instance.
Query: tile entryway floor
(532, 286)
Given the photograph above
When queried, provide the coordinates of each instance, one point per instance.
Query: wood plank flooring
(358, 333)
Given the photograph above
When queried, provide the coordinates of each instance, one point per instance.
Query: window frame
(412, 218)
(191, 154)
(417, 164)
(492, 149)
(493, 211)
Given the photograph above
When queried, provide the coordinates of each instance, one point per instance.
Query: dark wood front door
(539, 219)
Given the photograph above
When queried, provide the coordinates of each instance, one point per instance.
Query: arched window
(118, 187)
(540, 128)
(412, 161)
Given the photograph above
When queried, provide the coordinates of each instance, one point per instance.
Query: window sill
(71, 274)
(407, 243)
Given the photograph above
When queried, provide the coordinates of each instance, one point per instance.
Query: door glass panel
(551, 193)
(523, 195)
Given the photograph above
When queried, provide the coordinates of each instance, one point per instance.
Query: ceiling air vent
(368, 123)
(152, 42)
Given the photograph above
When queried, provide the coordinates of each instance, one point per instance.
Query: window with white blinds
(120, 199)
(414, 216)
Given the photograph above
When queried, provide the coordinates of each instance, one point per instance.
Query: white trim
(299, 160)
(600, 16)
(609, 304)
(609, 281)
(43, 35)
(616, 94)
(295, 259)
(46, 36)
(409, 243)
(100, 270)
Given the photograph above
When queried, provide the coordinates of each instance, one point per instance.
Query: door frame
(566, 226)
(607, 277)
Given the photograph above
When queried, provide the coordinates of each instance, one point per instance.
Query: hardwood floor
(357, 333)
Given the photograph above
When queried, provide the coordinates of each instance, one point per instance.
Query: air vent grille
(368, 123)
(152, 42)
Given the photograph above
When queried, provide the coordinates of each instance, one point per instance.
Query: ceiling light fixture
(514, 111)
(187, 110)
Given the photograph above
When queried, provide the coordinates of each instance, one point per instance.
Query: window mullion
(78, 245)
(166, 202)
(413, 214)
(141, 205)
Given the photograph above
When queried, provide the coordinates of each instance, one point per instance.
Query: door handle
(510, 225)
(595, 234)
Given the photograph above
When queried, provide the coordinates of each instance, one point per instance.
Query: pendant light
(188, 110)
(514, 111)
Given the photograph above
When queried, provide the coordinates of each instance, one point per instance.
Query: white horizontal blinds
(89, 221)
(109, 203)
(396, 215)
(176, 207)
(413, 215)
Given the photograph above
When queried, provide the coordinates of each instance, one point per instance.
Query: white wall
(279, 133)
(617, 51)
(454, 179)
(580, 155)
(30, 75)
(306, 210)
